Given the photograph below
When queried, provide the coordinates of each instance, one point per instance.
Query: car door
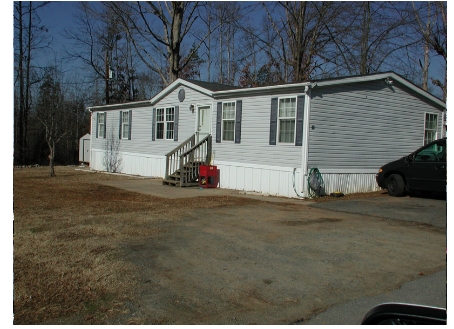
(426, 170)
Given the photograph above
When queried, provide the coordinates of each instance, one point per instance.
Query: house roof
(372, 77)
(212, 85)
(217, 90)
(119, 106)
(207, 88)
(337, 81)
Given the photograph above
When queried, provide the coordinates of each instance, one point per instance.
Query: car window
(433, 153)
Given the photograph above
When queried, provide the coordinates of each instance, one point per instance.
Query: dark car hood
(396, 164)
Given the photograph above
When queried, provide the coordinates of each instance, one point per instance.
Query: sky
(58, 15)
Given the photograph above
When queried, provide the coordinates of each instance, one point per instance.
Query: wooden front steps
(183, 162)
(175, 178)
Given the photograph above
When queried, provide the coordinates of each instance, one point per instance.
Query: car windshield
(434, 152)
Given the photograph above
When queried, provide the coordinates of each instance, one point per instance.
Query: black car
(422, 170)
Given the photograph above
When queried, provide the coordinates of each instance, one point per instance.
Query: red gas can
(208, 176)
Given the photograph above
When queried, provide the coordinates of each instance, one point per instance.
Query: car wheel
(395, 185)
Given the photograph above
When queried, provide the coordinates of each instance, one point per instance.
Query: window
(430, 128)
(286, 120)
(125, 125)
(101, 132)
(165, 123)
(228, 121)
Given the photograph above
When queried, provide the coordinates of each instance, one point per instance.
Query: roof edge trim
(118, 106)
(374, 77)
(259, 89)
(174, 85)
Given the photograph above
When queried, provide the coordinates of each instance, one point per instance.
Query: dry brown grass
(68, 238)
(70, 234)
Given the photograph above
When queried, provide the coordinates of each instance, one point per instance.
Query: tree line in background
(129, 51)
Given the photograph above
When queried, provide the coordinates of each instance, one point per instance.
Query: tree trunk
(209, 49)
(175, 39)
(19, 151)
(365, 39)
(51, 158)
(425, 68)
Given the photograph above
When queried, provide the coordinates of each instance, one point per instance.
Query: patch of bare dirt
(85, 253)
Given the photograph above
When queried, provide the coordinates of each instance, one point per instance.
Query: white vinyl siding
(254, 147)
(286, 120)
(363, 126)
(228, 121)
(430, 128)
(144, 142)
(165, 119)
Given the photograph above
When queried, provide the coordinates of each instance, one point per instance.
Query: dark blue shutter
(175, 123)
(239, 110)
(97, 124)
(119, 128)
(299, 120)
(218, 122)
(153, 124)
(273, 121)
(130, 125)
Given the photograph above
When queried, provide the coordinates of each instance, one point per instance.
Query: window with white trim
(430, 127)
(228, 121)
(101, 125)
(165, 121)
(287, 120)
(125, 125)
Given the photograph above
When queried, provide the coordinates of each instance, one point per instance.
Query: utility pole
(107, 76)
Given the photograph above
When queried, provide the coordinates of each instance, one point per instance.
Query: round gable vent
(181, 95)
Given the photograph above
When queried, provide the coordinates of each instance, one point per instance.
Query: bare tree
(102, 44)
(112, 159)
(51, 113)
(225, 24)
(226, 14)
(370, 37)
(161, 52)
(431, 25)
(296, 37)
(28, 37)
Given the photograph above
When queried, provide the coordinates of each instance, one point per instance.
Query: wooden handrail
(190, 161)
(196, 145)
(187, 158)
(190, 139)
(172, 158)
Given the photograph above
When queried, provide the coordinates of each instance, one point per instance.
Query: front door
(203, 122)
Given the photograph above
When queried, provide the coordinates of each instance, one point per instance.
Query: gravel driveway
(282, 263)
(430, 211)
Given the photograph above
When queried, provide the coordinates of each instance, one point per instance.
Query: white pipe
(305, 144)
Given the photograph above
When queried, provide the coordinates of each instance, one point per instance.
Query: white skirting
(266, 180)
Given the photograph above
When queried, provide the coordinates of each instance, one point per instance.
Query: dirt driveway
(275, 263)
(96, 249)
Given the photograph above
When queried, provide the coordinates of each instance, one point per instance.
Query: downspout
(305, 146)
